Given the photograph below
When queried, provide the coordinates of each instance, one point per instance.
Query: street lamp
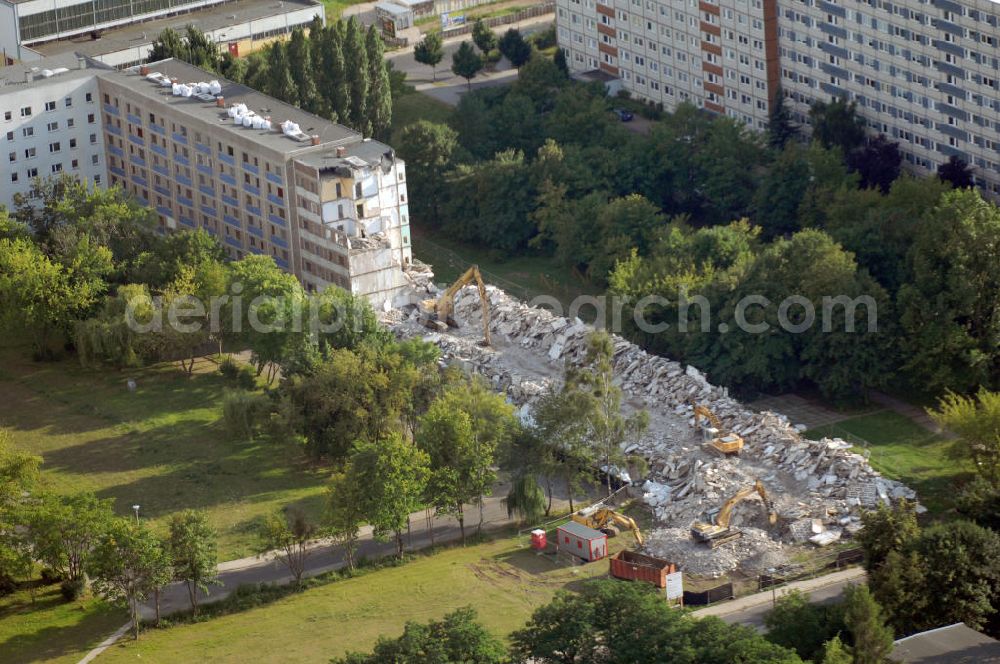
(136, 508)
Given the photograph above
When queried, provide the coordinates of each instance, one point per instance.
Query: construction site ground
(818, 487)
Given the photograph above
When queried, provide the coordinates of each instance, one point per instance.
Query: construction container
(581, 541)
(538, 540)
(633, 566)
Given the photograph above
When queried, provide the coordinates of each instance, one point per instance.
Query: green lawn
(904, 451)
(413, 106)
(524, 277)
(502, 579)
(51, 630)
(161, 447)
(334, 8)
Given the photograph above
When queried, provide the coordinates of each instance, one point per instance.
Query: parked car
(623, 115)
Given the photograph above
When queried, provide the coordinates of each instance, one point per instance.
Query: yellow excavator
(715, 530)
(603, 518)
(729, 444)
(438, 312)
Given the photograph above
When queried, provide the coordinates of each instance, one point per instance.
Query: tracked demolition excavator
(714, 530)
(603, 518)
(437, 313)
(727, 443)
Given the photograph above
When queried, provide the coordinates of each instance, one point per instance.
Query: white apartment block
(924, 73)
(121, 34)
(262, 176)
(50, 123)
(720, 55)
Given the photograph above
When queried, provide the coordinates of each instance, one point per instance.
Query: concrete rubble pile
(822, 482)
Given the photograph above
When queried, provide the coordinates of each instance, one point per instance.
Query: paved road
(326, 556)
(750, 610)
(448, 87)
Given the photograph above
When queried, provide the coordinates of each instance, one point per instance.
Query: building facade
(720, 55)
(262, 176)
(50, 123)
(923, 72)
(33, 29)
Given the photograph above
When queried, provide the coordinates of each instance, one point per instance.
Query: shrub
(229, 368)
(243, 412)
(72, 590)
(7, 584)
(50, 577)
(246, 379)
(544, 39)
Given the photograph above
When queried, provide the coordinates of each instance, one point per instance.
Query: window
(68, 101)
(70, 122)
(54, 147)
(53, 126)
(10, 136)
(32, 172)
(7, 115)
(12, 156)
(26, 112)
(13, 176)
(72, 143)
(89, 97)
(75, 164)
(50, 106)
(56, 168)
(28, 131)
(93, 138)
(29, 153)
(90, 118)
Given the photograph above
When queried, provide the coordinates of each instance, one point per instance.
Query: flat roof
(393, 8)
(580, 530)
(330, 133)
(14, 75)
(954, 644)
(208, 19)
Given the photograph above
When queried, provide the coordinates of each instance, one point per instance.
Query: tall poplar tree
(279, 77)
(356, 61)
(302, 71)
(379, 102)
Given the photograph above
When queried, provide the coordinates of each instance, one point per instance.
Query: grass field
(904, 451)
(524, 277)
(502, 579)
(161, 447)
(49, 629)
(413, 106)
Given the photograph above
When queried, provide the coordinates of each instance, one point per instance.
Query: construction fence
(528, 12)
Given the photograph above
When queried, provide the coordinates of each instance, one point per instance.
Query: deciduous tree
(429, 51)
(286, 534)
(192, 547)
(128, 564)
(465, 62)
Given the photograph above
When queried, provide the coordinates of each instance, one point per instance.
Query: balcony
(202, 148)
(251, 189)
(275, 178)
(253, 209)
(230, 240)
(279, 242)
(277, 221)
(276, 200)
(114, 130)
(189, 222)
(183, 179)
(162, 170)
(247, 166)
(134, 119)
(205, 189)
(184, 200)
(165, 211)
(229, 200)
(179, 138)
(113, 110)
(231, 220)
(227, 159)
(164, 191)
(158, 129)
(253, 230)
(228, 179)
(209, 210)
(135, 139)
(202, 168)
(159, 149)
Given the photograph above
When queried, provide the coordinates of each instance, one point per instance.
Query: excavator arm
(444, 306)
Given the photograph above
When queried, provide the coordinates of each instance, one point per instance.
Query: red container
(633, 566)
(538, 540)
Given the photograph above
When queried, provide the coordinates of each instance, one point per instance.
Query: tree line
(705, 206)
(337, 71)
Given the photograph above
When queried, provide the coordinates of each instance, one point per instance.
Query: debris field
(818, 487)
